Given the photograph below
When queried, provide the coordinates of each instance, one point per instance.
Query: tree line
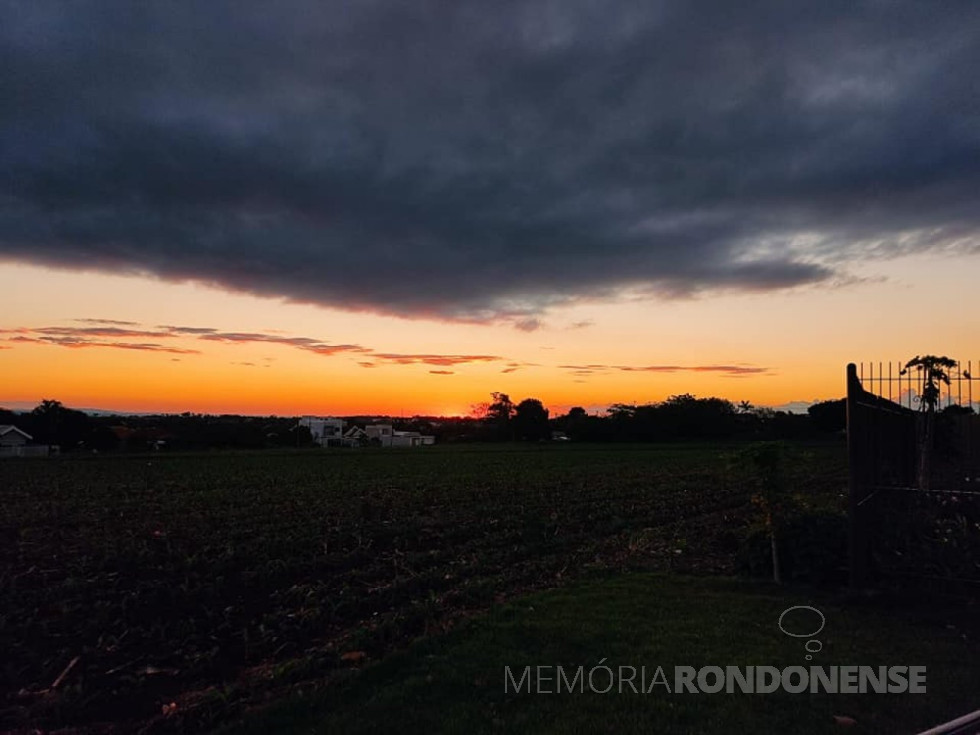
(681, 417)
(678, 418)
(53, 423)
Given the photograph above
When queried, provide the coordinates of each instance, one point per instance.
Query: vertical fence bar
(940, 406)
(889, 380)
(900, 400)
(857, 533)
(908, 386)
(971, 422)
(949, 394)
(959, 383)
(898, 378)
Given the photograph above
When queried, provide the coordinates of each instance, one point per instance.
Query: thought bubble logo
(795, 624)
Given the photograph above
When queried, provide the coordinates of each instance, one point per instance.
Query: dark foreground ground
(179, 593)
(614, 633)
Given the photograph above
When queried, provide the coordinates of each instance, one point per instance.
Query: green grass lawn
(456, 683)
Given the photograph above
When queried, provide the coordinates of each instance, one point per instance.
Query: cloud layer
(164, 337)
(486, 161)
(728, 371)
(110, 336)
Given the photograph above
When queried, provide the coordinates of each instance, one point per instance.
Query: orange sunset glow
(152, 346)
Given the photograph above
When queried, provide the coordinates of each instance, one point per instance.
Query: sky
(378, 207)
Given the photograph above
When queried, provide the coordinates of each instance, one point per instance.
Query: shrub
(812, 548)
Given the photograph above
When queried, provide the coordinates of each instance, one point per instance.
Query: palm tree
(933, 371)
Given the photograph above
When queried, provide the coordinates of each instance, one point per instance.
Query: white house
(406, 439)
(325, 431)
(14, 442)
(354, 436)
(382, 432)
(11, 436)
(388, 437)
(334, 432)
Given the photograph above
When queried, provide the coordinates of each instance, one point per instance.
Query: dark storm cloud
(485, 161)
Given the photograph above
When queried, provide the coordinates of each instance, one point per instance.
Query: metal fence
(901, 385)
(914, 476)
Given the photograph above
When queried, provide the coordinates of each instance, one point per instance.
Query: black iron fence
(904, 386)
(914, 465)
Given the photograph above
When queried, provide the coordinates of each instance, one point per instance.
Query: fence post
(857, 531)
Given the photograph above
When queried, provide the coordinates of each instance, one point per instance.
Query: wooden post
(857, 532)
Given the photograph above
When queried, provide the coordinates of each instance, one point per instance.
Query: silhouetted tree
(52, 423)
(933, 371)
(498, 416)
(829, 415)
(574, 423)
(621, 411)
(530, 422)
(501, 408)
(580, 426)
(687, 417)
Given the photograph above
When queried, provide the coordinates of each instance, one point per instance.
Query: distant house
(331, 432)
(380, 433)
(355, 436)
(388, 437)
(325, 431)
(11, 436)
(15, 442)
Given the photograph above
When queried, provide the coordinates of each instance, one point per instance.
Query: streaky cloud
(113, 322)
(431, 359)
(727, 370)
